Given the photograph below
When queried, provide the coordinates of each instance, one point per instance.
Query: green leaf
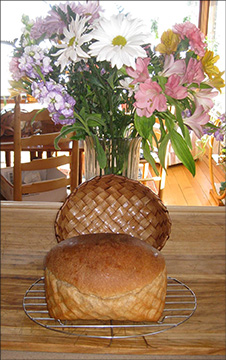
(78, 126)
(101, 156)
(162, 129)
(205, 86)
(61, 13)
(38, 112)
(182, 151)
(162, 150)
(71, 13)
(56, 140)
(78, 136)
(183, 45)
(189, 55)
(95, 120)
(82, 113)
(110, 80)
(144, 125)
(187, 137)
(63, 133)
(97, 83)
(179, 119)
(162, 80)
(148, 156)
(169, 125)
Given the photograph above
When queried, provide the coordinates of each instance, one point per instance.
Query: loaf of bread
(105, 276)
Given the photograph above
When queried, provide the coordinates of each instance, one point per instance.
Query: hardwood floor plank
(184, 189)
(172, 193)
(186, 183)
(201, 185)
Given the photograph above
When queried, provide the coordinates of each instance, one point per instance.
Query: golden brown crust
(105, 265)
(65, 302)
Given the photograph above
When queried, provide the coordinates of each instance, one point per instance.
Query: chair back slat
(46, 185)
(49, 163)
(44, 140)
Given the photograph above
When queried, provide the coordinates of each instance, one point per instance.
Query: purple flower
(186, 113)
(55, 101)
(217, 129)
(53, 24)
(32, 59)
(89, 9)
(39, 91)
(102, 71)
(46, 67)
(206, 131)
(222, 118)
(49, 26)
(59, 119)
(218, 135)
(59, 103)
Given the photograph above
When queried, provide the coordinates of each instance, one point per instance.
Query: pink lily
(174, 89)
(197, 120)
(194, 72)
(204, 97)
(141, 73)
(173, 67)
(149, 98)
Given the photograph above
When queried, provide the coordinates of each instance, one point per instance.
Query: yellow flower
(208, 62)
(169, 42)
(216, 81)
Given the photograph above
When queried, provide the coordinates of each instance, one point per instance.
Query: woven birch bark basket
(114, 204)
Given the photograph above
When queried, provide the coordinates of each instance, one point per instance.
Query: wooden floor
(183, 189)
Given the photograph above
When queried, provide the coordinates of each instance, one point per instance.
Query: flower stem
(37, 68)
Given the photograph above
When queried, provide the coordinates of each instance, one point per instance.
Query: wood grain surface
(194, 254)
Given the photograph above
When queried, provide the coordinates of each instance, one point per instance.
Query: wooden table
(195, 255)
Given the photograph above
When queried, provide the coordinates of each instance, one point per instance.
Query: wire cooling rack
(180, 305)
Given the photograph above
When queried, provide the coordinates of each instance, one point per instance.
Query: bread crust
(105, 276)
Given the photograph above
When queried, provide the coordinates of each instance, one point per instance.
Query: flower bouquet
(101, 78)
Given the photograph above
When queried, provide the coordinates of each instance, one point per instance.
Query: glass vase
(123, 155)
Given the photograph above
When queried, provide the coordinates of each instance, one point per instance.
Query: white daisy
(119, 41)
(75, 37)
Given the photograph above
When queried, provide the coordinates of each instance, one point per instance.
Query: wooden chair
(44, 141)
(42, 124)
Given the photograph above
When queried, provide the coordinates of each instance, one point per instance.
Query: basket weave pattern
(115, 204)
